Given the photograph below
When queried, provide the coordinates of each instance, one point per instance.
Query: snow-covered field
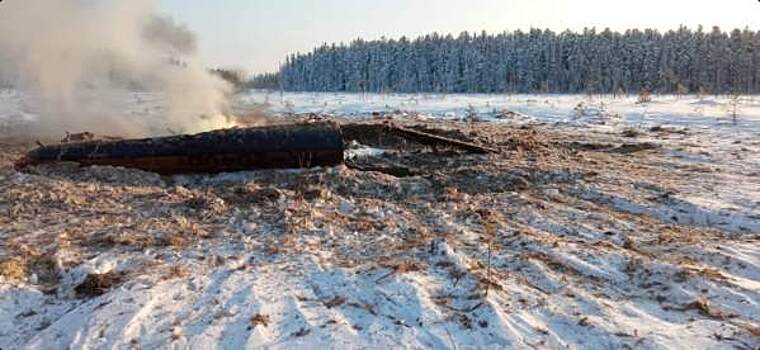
(602, 224)
(691, 111)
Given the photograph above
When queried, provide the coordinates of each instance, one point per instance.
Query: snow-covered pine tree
(591, 61)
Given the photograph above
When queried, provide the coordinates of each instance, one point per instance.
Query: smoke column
(76, 59)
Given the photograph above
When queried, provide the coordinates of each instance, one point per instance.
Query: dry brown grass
(335, 302)
(12, 269)
(402, 266)
(706, 272)
(399, 267)
(259, 320)
(176, 271)
(489, 233)
(176, 240)
(705, 308)
(131, 240)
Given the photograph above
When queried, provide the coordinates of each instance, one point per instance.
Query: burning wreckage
(289, 146)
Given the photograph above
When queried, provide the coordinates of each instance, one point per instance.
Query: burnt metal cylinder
(269, 147)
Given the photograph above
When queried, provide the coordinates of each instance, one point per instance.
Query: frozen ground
(695, 112)
(615, 226)
(699, 130)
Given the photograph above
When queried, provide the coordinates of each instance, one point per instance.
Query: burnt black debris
(280, 146)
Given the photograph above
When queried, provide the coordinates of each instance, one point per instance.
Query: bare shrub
(645, 96)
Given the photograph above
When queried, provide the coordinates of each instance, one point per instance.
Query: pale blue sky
(257, 34)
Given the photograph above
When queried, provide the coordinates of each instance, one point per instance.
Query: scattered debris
(634, 147)
(395, 171)
(509, 115)
(78, 137)
(97, 284)
(631, 133)
(302, 332)
(302, 145)
(667, 130)
(705, 309)
(259, 320)
(374, 134)
(335, 302)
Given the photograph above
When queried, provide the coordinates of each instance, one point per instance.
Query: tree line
(535, 61)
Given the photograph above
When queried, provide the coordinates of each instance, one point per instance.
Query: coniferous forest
(536, 61)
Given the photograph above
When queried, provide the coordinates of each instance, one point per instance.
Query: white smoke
(77, 58)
